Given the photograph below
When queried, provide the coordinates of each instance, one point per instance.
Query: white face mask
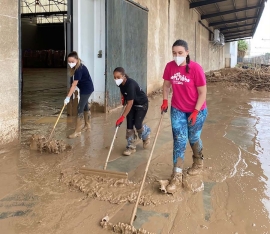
(118, 81)
(72, 65)
(179, 60)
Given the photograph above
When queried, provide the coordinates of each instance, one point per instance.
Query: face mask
(118, 81)
(179, 60)
(72, 65)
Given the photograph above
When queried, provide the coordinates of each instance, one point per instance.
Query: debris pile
(252, 79)
(123, 228)
(116, 191)
(40, 143)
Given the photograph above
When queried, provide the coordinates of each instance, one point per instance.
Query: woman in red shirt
(188, 110)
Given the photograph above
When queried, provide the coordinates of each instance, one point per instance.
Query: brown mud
(116, 191)
(41, 144)
(123, 228)
(231, 196)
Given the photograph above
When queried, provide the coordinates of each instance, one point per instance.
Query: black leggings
(136, 116)
(83, 103)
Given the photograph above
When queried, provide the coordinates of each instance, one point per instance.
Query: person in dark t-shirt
(82, 80)
(135, 110)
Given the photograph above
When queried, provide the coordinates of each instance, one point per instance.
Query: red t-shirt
(184, 85)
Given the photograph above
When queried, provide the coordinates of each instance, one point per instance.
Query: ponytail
(187, 61)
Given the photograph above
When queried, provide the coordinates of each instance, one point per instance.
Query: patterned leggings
(182, 131)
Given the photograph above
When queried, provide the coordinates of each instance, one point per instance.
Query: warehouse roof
(236, 19)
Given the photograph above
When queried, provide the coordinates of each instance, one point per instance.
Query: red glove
(164, 106)
(192, 118)
(120, 121)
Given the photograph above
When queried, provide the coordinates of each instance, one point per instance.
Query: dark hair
(185, 45)
(74, 54)
(121, 70)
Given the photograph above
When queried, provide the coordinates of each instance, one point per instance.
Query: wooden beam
(237, 26)
(228, 12)
(238, 39)
(203, 3)
(239, 31)
(231, 21)
(237, 36)
(235, 33)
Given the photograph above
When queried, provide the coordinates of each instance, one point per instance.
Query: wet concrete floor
(232, 195)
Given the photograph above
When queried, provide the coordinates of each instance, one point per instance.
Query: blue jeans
(182, 131)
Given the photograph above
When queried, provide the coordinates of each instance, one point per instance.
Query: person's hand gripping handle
(164, 106)
(120, 121)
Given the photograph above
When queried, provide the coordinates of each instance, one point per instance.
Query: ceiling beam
(228, 12)
(237, 36)
(237, 26)
(31, 15)
(232, 40)
(236, 33)
(203, 3)
(231, 21)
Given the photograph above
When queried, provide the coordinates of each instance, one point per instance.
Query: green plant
(242, 45)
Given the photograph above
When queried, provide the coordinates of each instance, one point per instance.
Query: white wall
(231, 53)
(88, 39)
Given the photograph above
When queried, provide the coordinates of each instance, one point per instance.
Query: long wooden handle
(56, 122)
(145, 172)
(116, 130)
(108, 156)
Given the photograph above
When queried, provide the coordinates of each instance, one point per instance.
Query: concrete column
(89, 39)
(9, 67)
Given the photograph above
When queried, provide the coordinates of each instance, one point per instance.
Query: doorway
(46, 38)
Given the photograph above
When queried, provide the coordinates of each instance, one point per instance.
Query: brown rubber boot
(146, 142)
(197, 166)
(87, 120)
(175, 183)
(129, 151)
(79, 124)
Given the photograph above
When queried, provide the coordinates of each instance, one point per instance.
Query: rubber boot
(175, 183)
(79, 123)
(87, 120)
(129, 151)
(131, 138)
(144, 134)
(197, 166)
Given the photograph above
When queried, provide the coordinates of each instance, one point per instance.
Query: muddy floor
(42, 193)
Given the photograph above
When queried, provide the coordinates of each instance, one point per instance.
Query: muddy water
(232, 195)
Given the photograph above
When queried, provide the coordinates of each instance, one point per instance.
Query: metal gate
(126, 45)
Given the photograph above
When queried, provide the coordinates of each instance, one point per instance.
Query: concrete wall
(170, 20)
(9, 75)
(88, 39)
